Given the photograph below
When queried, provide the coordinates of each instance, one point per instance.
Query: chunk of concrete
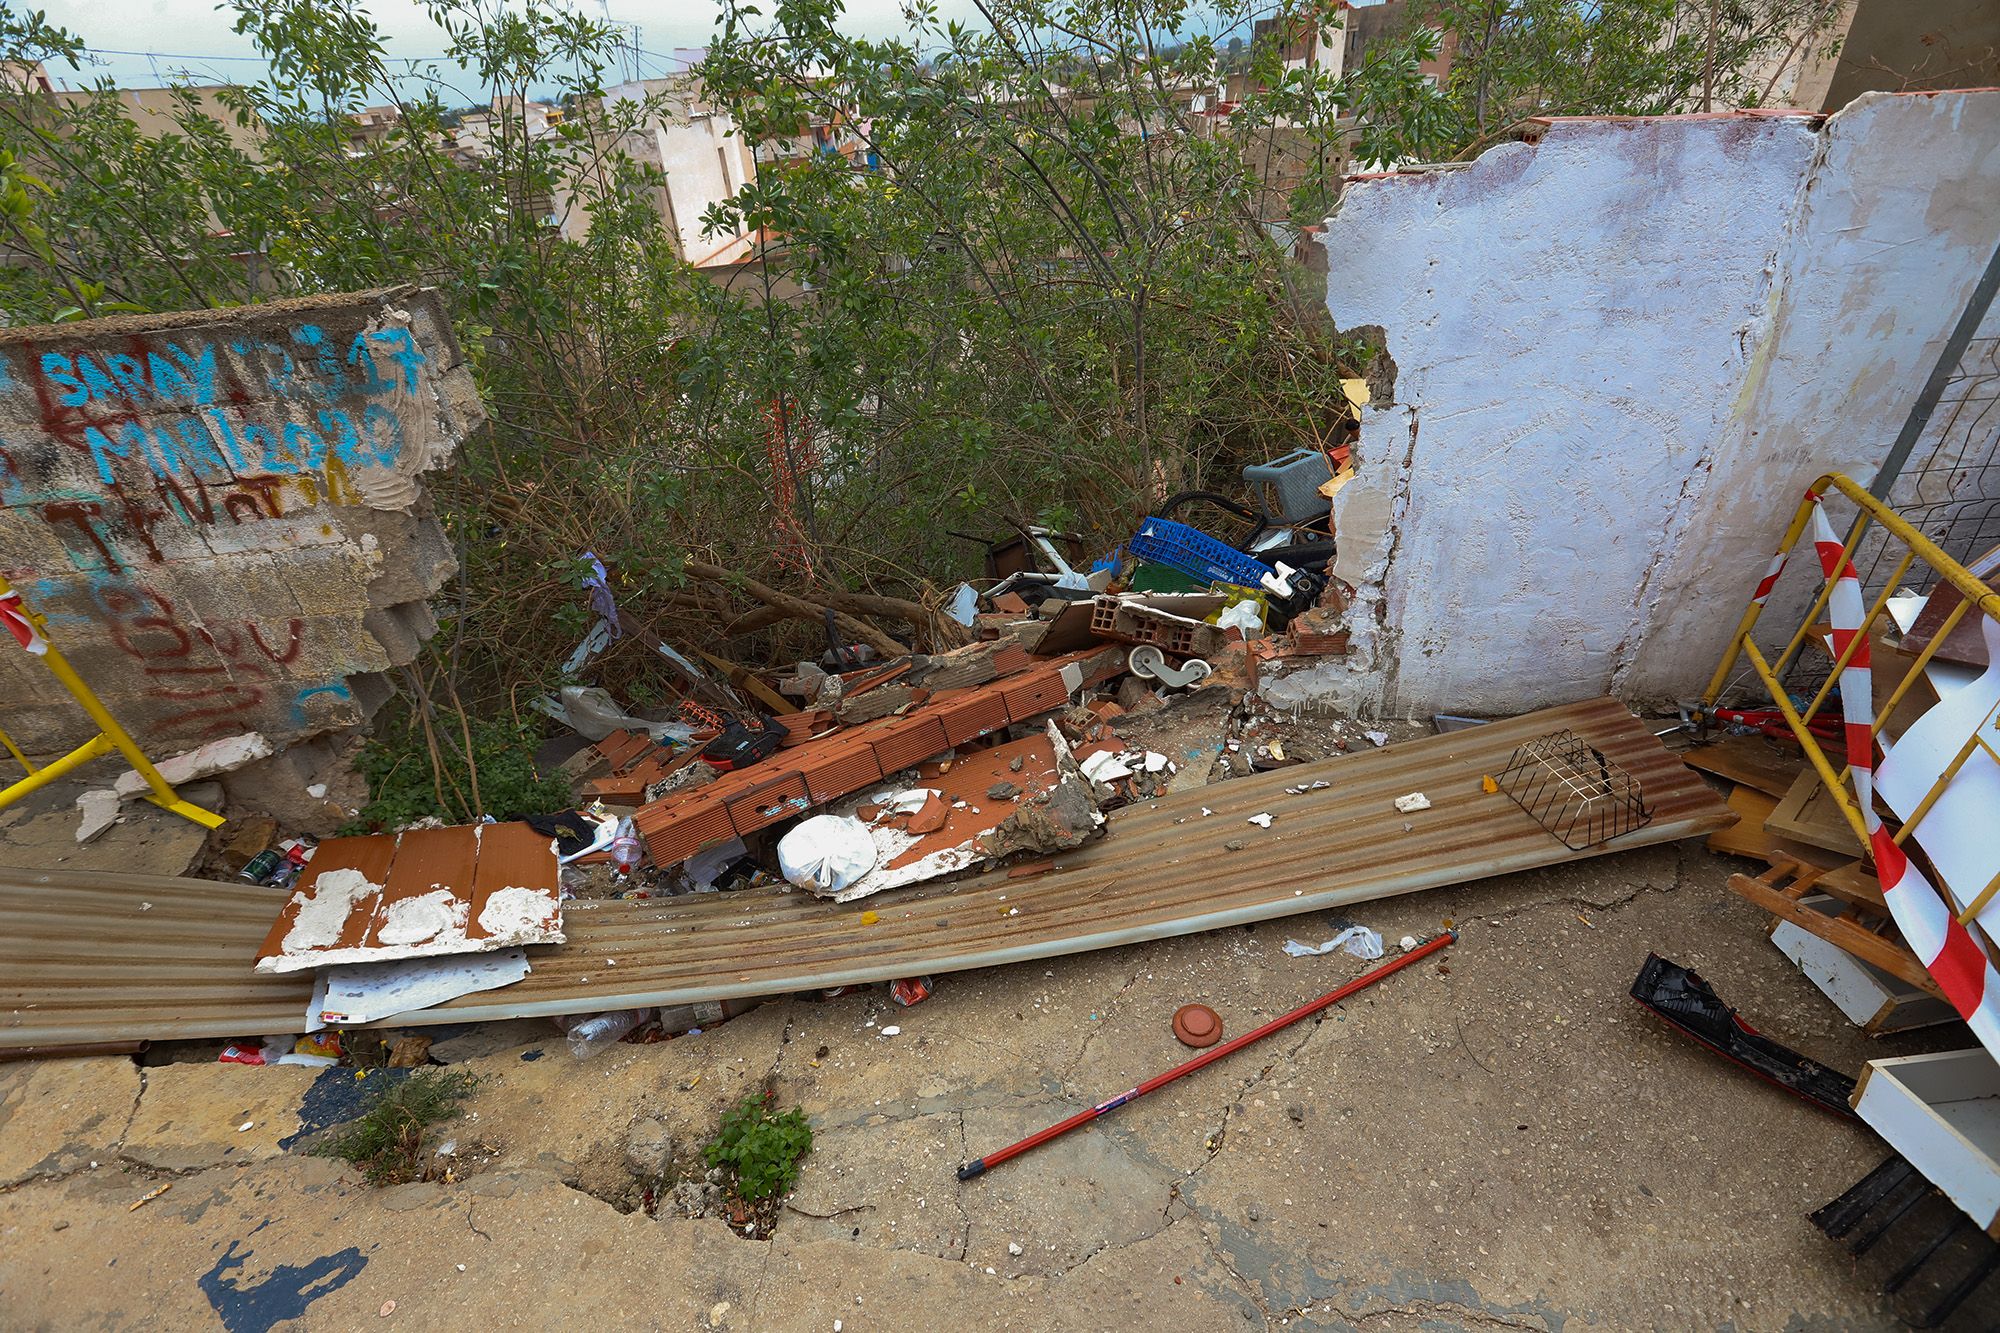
(58, 1116)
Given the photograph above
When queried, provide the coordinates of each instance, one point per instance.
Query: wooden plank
(1809, 813)
(1854, 884)
(370, 856)
(1839, 931)
(514, 856)
(743, 678)
(1749, 761)
(1746, 837)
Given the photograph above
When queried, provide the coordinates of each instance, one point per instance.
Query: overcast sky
(193, 36)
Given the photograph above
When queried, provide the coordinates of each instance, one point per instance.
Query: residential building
(1885, 46)
(698, 150)
(1368, 25)
(153, 110)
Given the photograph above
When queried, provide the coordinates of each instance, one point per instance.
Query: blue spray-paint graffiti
(180, 409)
(284, 1293)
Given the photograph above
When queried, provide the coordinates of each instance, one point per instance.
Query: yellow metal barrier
(110, 737)
(1976, 597)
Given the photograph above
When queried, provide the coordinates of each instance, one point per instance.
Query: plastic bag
(1357, 940)
(594, 714)
(1245, 615)
(826, 853)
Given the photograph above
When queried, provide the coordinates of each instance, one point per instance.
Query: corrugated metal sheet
(82, 960)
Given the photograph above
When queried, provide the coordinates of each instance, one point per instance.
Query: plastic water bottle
(599, 1032)
(625, 848)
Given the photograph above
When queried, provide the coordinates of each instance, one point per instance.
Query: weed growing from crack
(386, 1139)
(761, 1150)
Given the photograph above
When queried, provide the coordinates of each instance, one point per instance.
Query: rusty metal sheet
(81, 961)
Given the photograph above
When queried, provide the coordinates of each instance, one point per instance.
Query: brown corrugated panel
(79, 960)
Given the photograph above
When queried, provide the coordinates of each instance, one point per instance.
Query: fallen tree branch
(944, 632)
(797, 608)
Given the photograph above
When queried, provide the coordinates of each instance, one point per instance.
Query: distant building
(701, 154)
(153, 110)
(23, 76)
(1884, 46)
(369, 126)
(1368, 25)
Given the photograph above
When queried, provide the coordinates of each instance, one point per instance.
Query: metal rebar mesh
(1568, 787)
(1949, 487)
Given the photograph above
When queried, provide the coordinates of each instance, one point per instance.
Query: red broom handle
(1206, 1058)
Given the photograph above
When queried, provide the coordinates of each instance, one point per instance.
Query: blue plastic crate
(1196, 554)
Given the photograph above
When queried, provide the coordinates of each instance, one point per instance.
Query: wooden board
(1966, 644)
(1854, 883)
(1746, 837)
(1771, 892)
(1942, 1112)
(1750, 761)
(394, 910)
(1809, 813)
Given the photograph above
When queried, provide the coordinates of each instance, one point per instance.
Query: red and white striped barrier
(15, 617)
(1951, 953)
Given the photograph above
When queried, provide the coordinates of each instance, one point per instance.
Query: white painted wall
(1621, 352)
(704, 157)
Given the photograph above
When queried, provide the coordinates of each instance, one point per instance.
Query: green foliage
(760, 1149)
(992, 273)
(386, 1139)
(404, 784)
(1514, 59)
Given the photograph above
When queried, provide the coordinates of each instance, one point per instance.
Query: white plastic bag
(594, 714)
(826, 853)
(1245, 615)
(1357, 940)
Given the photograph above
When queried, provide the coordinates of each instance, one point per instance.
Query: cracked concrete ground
(1496, 1138)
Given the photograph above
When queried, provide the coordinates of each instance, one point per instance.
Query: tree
(1515, 59)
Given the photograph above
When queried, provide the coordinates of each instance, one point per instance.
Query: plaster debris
(1105, 766)
(100, 812)
(516, 915)
(323, 912)
(220, 756)
(423, 919)
(1260, 820)
(1412, 803)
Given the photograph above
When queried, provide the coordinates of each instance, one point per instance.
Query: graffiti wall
(222, 513)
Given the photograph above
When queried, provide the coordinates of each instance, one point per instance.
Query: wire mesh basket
(1568, 787)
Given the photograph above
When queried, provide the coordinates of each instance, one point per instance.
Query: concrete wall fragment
(216, 509)
(1622, 352)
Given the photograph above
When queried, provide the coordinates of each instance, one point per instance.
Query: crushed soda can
(907, 991)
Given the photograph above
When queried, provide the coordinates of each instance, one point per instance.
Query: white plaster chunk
(100, 811)
(324, 911)
(518, 916)
(423, 919)
(219, 756)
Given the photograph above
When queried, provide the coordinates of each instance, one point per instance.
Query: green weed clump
(386, 1140)
(412, 775)
(762, 1150)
